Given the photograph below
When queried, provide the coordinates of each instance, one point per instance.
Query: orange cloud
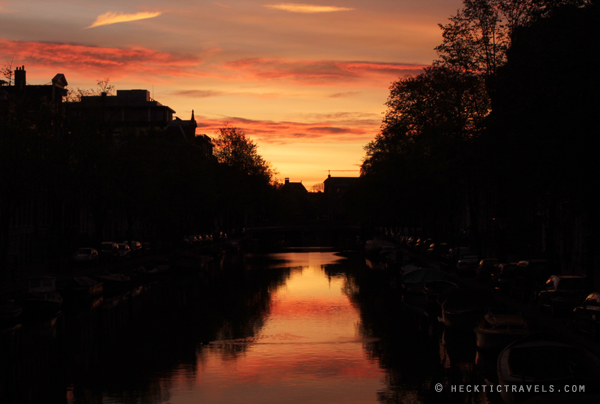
(323, 72)
(91, 60)
(342, 127)
(200, 93)
(114, 18)
(306, 8)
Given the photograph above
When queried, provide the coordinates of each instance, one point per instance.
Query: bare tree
(7, 71)
(104, 87)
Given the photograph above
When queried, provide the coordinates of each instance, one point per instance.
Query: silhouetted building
(338, 185)
(334, 189)
(28, 112)
(293, 187)
(180, 129)
(31, 100)
(128, 109)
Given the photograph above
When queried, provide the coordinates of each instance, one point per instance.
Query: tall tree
(235, 150)
(245, 179)
(425, 146)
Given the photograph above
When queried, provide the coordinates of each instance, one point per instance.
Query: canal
(301, 326)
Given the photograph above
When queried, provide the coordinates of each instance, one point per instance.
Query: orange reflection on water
(308, 350)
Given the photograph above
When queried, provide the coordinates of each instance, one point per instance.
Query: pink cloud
(112, 17)
(90, 60)
(325, 72)
(284, 132)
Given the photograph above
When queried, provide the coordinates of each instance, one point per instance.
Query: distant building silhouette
(338, 185)
(293, 187)
(334, 189)
(129, 108)
(41, 227)
(26, 219)
(31, 99)
(186, 130)
(135, 112)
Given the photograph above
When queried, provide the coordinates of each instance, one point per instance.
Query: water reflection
(295, 327)
(307, 350)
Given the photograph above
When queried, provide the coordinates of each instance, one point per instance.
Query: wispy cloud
(217, 93)
(94, 60)
(349, 128)
(113, 18)
(320, 72)
(200, 93)
(306, 8)
(123, 62)
(344, 94)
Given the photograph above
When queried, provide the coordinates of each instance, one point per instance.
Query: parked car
(562, 293)
(466, 264)
(422, 245)
(486, 269)
(438, 250)
(529, 278)
(109, 251)
(586, 316)
(135, 246)
(85, 256)
(124, 251)
(503, 277)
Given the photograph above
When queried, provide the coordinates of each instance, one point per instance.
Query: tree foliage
(235, 150)
(431, 140)
(425, 145)
(477, 38)
(104, 87)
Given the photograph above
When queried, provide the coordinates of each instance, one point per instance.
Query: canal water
(307, 348)
(303, 326)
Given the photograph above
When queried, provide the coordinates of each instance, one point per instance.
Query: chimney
(287, 180)
(20, 81)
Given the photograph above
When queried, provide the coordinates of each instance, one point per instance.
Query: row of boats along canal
(512, 350)
(63, 326)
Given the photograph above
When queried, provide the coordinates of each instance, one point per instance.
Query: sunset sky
(306, 81)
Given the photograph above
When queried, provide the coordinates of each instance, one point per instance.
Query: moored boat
(10, 311)
(42, 300)
(436, 292)
(415, 280)
(114, 284)
(81, 291)
(464, 308)
(497, 329)
(546, 363)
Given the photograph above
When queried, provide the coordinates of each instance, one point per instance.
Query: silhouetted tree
(430, 147)
(104, 87)
(477, 37)
(245, 179)
(235, 150)
(424, 153)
